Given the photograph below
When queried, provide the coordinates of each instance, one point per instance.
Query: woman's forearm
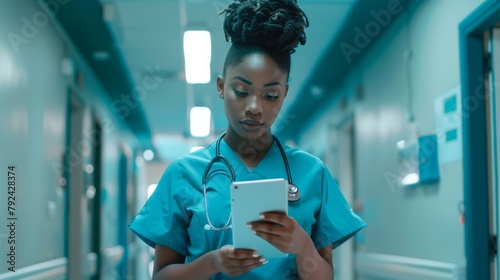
(203, 267)
(311, 265)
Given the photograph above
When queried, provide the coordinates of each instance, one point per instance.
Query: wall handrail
(112, 256)
(53, 269)
(400, 267)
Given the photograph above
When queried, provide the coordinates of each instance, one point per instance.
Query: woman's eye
(271, 96)
(240, 93)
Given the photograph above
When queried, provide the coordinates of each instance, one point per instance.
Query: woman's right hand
(235, 262)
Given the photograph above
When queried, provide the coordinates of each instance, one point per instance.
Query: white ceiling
(149, 35)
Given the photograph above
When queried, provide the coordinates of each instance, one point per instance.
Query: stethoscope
(293, 191)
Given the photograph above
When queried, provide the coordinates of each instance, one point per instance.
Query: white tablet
(248, 200)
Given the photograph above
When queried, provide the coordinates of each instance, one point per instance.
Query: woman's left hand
(283, 232)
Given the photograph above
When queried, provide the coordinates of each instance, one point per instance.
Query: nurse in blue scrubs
(189, 230)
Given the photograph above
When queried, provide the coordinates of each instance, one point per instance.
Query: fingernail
(261, 216)
(254, 232)
(249, 225)
(255, 254)
(263, 261)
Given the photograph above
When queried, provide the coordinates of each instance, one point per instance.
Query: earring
(221, 96)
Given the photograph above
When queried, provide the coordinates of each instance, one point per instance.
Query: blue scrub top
(174, 216)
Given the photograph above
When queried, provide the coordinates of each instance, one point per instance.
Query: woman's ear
(220, 86)
(286, 90)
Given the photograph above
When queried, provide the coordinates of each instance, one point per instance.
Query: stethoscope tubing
(293, 191)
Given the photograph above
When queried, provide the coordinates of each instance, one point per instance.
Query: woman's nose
(254, 106)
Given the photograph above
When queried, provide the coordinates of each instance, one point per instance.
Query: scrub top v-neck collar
(265, 166)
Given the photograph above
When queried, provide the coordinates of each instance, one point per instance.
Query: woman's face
(254, 91)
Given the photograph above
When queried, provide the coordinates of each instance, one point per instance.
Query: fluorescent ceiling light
(197, 56)
(401, 144)
(200, 121)
(148, 155)
(151, 189)
(195, 148)
(139, 161)
(410, 179)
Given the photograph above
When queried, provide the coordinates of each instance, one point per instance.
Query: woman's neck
(250, 151)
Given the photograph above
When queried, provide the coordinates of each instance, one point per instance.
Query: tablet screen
(248, 200)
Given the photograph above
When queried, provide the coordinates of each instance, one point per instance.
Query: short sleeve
(163, 219)
(336, 222)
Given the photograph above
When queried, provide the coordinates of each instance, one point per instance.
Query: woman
(187, 228)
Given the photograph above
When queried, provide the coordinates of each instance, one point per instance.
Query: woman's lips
(251, 125)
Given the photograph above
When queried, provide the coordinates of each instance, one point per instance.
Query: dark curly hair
(274, 27)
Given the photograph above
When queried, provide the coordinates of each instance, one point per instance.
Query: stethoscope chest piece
(293, 193)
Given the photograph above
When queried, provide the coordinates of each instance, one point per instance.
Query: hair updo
(273, 27)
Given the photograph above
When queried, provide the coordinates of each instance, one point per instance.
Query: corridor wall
(401, 76)
(39, 67)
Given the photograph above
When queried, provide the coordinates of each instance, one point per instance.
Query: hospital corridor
(249, 139)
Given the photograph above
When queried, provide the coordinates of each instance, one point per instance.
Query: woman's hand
(281, 231)
(234, 262)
